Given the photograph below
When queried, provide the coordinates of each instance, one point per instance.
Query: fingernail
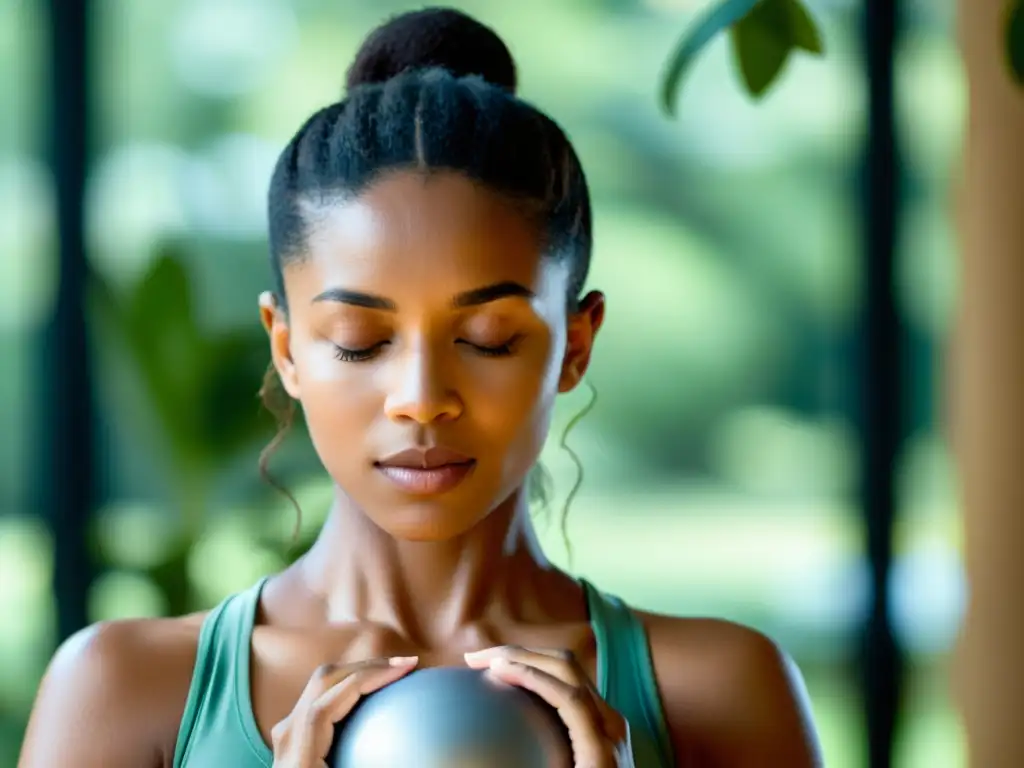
(403, 661)
(478, 654)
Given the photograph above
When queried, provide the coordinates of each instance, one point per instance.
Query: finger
(561, 664)
(556, 662)
(340, 700)
(350, 683)
(575, 705)
(326, 676)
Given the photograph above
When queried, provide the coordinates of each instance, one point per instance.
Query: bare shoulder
(114, 694)
(732, 696)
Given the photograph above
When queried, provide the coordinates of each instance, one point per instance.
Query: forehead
(414, 233)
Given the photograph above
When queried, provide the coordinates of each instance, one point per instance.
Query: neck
(429, 589)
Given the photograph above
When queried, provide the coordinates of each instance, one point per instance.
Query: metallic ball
(451, 717)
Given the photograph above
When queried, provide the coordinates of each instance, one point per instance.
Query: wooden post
(986, 378)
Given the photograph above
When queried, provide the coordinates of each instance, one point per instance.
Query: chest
(282, 662)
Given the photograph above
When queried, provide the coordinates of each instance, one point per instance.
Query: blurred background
(725, 458)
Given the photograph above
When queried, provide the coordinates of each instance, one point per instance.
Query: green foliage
(1015, 40)
(201, 386)
(160, 334)
(763, 34)
(763, 40)
(702, 33)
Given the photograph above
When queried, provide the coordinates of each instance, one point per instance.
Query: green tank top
(219, 729)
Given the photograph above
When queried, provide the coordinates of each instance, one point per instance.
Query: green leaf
(804, 33)
(232, 417)
(165, 343)
(1015, 41)
(106, 306)
(762, 42)
(716, 20)
(763, 32)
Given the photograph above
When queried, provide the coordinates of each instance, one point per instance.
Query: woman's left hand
(599, 734)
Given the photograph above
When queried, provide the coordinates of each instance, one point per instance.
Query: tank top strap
(220, 676)
(625, 675)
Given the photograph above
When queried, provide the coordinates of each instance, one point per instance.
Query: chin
(433, 518)
(426, 519)
(427, 526)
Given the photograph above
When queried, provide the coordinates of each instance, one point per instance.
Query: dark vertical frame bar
(67, 471)
(882, 415)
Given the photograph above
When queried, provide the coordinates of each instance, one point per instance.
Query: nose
(421, 392)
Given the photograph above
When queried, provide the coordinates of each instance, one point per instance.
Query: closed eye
(357, 355)
(499, 350)
(347, 355)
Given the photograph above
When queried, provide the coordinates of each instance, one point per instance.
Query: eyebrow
(473, 298)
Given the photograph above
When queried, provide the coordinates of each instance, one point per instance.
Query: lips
(429, 472)
(430, 458)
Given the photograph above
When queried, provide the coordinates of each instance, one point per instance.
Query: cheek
(521, 398)
(338, 399)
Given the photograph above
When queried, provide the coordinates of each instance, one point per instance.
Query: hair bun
(433, 37)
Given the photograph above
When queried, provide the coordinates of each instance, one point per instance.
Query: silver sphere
(451, 717)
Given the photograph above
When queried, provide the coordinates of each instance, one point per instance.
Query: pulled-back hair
(433, 90)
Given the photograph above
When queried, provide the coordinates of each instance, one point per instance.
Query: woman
(430, 238)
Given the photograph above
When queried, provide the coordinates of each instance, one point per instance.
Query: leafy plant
(764, 33)
(200, 386)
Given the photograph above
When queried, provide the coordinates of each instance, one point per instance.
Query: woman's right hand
(303, 739)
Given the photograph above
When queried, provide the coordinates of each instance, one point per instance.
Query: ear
(583, 327)
(275, 322)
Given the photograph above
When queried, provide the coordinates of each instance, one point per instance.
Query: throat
(432, 592)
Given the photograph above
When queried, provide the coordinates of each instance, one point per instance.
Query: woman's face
(426, 339)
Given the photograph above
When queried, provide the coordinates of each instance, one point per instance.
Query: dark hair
(432, 90)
